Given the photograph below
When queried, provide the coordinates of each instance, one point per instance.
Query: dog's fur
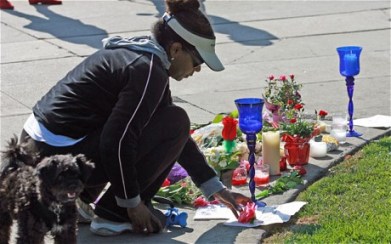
(40, 198)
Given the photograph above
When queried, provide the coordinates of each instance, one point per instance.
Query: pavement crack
(180, 100)
(14, 99)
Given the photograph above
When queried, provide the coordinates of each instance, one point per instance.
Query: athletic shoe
(85, 212)
(104, 227)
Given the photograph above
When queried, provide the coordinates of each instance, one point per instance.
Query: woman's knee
(178, 119)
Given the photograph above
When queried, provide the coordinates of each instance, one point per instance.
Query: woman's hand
(143, 221)
(232, 200)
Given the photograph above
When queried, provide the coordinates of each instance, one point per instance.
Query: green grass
(350, 205)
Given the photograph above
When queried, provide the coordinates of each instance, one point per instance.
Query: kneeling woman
(116, 108)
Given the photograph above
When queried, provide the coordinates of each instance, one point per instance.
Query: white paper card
(265, 216)
(374, 121)
(213, 211)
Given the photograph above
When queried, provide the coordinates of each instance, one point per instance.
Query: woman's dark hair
(187, 13)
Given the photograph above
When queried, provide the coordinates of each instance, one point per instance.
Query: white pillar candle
(271, 151)
(318, 149)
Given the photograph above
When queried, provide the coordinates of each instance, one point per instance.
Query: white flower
(223, 164)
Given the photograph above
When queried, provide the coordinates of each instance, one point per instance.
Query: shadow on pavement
(225, 234)
(62, 27)
(234, 30)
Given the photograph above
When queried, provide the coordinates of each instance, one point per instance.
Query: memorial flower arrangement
(296, 128)
(297, 133)
(281, 93)
(223, 145)
(218, 142)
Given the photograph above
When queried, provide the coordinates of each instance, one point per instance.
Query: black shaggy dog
(40, 196)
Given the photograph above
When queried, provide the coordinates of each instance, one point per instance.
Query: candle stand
(250, 123)
(349, 66)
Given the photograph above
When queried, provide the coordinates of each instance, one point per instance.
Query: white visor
(204, 46)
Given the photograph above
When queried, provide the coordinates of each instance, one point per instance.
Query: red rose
(283, 77)
(166, 183)
(229, 130)
(292, 121)
(200, 202)
(271, 77)
(292, 76)
(290, 102)
(248, 213)
(323, 113)
(300, 169)
(298, 106)
(283, 164)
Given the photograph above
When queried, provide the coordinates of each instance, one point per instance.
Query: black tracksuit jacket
(117, 91)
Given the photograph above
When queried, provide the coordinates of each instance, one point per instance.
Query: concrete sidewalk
(40, 44)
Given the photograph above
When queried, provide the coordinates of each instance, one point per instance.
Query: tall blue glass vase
(349, 66)
(250, 123)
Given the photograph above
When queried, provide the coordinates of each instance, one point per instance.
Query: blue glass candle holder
(250, 123)
(349, 66)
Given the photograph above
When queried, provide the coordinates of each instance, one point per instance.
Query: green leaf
(218, 118)
(234, 114)
(263, 194)
(291, 184)
(282, 184)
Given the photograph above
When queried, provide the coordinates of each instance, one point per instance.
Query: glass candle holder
(349, 66)
(250, 123)
(262, 174)
(349, 60)
(239, 176)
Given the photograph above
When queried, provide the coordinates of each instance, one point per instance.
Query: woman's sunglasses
(195, 57)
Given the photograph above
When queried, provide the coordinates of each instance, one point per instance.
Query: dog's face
(64, 176)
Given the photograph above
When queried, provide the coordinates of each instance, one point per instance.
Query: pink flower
(271, 77)
(283, 77)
